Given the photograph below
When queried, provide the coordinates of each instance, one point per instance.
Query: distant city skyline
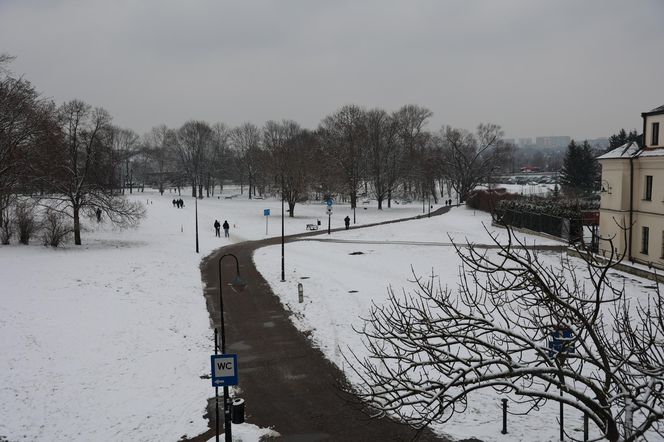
(535, 68)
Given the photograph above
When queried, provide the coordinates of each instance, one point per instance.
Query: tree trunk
(380, 203)
(291, 209)
(193, 189)
(77, 225)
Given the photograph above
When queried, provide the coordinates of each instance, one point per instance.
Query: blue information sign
(561, 342)
(224, 370)
(329, 202)
(266, 212)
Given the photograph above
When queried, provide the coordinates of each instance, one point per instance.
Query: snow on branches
(428, 349)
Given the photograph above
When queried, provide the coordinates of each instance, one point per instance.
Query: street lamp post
(238, 284)
(196, 211)
(283, 272)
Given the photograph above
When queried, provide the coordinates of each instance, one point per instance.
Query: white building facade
(632, 202)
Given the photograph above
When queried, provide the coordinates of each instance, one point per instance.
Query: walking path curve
(286, 383)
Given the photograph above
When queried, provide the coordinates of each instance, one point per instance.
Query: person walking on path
(226, 227)
(216, 228)
(347, 222)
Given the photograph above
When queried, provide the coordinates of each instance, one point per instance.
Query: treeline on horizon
(75, 154)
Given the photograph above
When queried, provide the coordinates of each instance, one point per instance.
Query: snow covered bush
(25, 222)
(56, 229)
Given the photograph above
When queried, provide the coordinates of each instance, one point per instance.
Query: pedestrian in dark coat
(226, 227)
(347, 222)
(216, 228)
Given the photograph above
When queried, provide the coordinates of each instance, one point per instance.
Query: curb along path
(287, 384)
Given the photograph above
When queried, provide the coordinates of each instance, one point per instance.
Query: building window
(645, 234)
(655, 134)
(648, 190)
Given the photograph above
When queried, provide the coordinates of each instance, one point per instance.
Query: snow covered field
(341, 285)
(108, 341)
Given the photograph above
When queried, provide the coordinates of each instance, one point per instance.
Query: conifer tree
(579, 172)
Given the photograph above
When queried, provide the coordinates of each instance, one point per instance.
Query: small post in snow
(504, 430)
(300, 293)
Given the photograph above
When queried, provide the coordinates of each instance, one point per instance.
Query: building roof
(631, 149)
(655, 111)
(627, 150)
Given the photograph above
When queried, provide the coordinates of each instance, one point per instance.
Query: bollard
(504, 431)
(237, 411)
(300, 293)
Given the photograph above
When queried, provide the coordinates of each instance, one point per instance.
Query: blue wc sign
(224, 370)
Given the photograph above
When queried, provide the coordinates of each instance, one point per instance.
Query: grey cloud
(535, 67)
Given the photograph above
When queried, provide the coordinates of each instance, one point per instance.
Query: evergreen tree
(579, 173)
(621, 138)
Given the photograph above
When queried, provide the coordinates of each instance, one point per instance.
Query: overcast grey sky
(564, 67)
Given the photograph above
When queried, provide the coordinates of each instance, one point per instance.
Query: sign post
(329, 214)
(266, 214)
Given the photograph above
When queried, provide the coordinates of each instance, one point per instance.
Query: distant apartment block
(552, 142)
(523, 142)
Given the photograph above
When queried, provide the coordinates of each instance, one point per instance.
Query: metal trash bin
(237, 411)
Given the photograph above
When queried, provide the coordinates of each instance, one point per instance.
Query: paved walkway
(287, 384)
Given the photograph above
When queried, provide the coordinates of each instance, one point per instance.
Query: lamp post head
(606, 187)
(238, 283)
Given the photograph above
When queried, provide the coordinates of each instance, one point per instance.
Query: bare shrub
(25, 222)
(7, 227)
(56, 229)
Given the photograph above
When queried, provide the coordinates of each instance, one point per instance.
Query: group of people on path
(178, 203)
(448, 202)
(226, 227)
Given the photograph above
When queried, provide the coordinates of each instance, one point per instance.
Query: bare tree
(24, 120)
(221, 160)
(160, 145)
(413, 137)
(79, 171)
(126, 146)
(194, 140)
(343, 139)
(564, 333)
(382, 153)
(292, 154)
(468, 159)
(246, 141)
